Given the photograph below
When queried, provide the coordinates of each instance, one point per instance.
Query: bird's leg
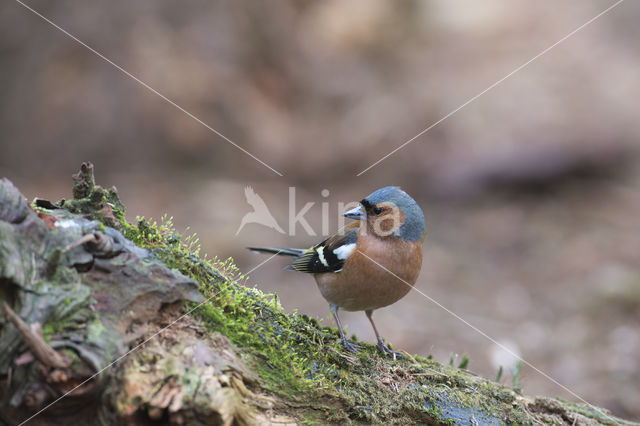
(347, 345)
(383, 348)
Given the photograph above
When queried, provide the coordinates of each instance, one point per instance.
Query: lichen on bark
(193, 343)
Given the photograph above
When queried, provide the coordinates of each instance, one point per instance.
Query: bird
(371, 263)
(260, 213)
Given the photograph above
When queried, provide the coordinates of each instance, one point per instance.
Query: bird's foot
(386, 351)
(351, 347)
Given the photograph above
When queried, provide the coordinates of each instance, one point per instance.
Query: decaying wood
(98, 296)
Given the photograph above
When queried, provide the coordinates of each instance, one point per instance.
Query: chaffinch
(372, 262)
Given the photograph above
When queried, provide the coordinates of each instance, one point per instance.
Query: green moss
(93, 200)
(278, 342)
(566, 408)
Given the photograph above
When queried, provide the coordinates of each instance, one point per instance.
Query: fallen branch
(36, 343)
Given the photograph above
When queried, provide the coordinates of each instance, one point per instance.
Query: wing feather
(329, 255)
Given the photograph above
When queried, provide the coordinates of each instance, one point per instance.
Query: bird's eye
(377, 210)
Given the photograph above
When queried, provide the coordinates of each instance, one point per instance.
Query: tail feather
(279, 250)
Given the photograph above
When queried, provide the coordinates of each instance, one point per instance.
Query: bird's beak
(355, 213)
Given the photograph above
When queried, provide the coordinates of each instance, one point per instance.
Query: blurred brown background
(531, 192)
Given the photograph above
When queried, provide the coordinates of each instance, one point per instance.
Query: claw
(386, 351)
(351, 347)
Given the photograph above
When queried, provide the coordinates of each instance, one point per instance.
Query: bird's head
(390, 212)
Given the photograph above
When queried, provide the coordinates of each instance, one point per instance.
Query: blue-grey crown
(413, 227)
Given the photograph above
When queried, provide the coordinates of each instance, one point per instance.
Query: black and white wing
(329, 255)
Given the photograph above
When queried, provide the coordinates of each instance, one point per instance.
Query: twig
(41, 350)
(89, 238)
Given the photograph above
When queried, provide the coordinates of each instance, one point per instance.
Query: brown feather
(364, 285)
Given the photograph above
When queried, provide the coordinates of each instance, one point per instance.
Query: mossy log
(105, 322)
